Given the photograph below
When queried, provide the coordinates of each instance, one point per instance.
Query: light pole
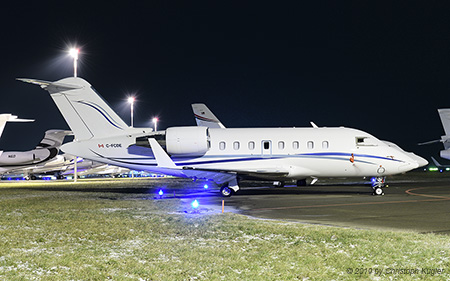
(131, 101)
(74, 54)
(155, 121)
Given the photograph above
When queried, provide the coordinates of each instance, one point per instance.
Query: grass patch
(97, 230)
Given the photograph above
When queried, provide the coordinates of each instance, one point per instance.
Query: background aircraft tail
(444, 113)
(7, 117)
(53, 138)
(204, 117)
(84, 110)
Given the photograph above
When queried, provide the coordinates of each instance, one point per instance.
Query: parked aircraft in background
(220, 154)
(88, 167)
(7, 117)
(204, 117)
(439, 166)
(44, 153)
(444, 114)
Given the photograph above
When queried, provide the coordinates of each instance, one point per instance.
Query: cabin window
(281, 145)
(251, 145)
(266, 145)
(325, 145)
(295, 145)
(236, 145)
(222, 145)
(310, 145)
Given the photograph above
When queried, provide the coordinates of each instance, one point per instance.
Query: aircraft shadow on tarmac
(152, 192)
(317, 190)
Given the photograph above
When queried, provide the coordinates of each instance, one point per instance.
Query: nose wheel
(378, 183)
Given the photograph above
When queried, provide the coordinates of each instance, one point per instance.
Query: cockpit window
(366, 141)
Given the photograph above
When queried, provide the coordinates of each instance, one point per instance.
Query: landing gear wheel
(226, 191)
(278, 183)
(378, 191)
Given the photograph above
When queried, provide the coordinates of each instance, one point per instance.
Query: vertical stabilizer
(84, 110)
(204, 117)
(444, 113)
(53, 138)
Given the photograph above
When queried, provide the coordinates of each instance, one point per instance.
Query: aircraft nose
(414, 163)
(421, 161)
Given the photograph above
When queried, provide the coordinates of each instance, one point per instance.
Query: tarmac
(418, 202)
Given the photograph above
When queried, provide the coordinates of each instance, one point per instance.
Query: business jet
(440, 166)
(45, 153)
(220, 154)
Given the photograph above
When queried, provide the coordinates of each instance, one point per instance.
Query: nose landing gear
(378, 183)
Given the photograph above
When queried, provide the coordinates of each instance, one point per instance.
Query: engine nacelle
(193, 141)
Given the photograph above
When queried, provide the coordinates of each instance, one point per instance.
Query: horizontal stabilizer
(429, 142)
(7, 117)
(53, 87)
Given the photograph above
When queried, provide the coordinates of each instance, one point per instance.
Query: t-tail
(85, 111)
(444, 113)
(7, 117)
(204, 117)
(53, 138)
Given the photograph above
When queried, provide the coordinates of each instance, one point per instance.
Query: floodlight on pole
(155, 121)
(131, 101)
(74, 54)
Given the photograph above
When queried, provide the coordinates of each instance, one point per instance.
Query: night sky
(380, 67)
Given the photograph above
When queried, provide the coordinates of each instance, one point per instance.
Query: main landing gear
(378, 183)
(226, 191)
(229, 188)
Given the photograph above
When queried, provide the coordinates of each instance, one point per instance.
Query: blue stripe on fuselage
(341, 156)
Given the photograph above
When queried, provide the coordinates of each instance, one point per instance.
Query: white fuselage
(299, 152)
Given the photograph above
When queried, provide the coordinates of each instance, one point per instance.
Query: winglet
(162, 158)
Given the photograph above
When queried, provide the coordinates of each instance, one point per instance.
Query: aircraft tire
(279, 183)
(378, 191)
(226, 191)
